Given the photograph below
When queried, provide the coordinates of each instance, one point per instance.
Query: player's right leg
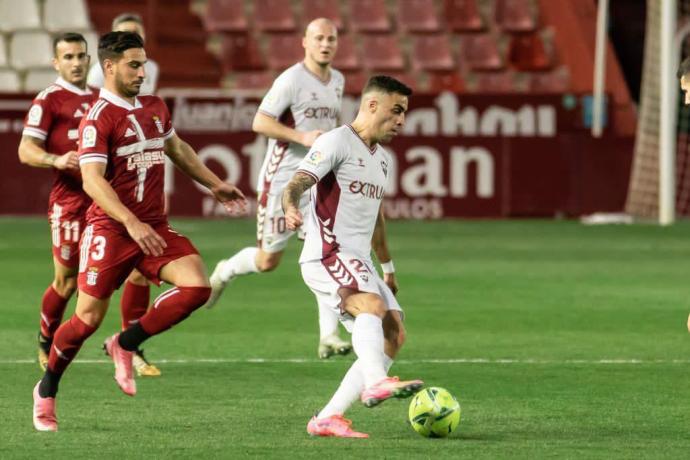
(68, 339)
(53, 305)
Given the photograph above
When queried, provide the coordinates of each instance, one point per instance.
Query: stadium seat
(480, 52)
(463, 16)
(382, 52)
(432, 52)
(225, 16)
(9, 81)
(17, 15)
(39, 79)
(274, 16)
(260, 80)
(355, 81)
(284, 50)
(418, 16)
(176, 24)
(65, 15)
(491, 82)
(526, 52)
(30, 49)
(347, 57)
(240, 52)
(369, 16)
(176, 71)
(312, 9)
(555, 81)
(446, 81)
(514, 15)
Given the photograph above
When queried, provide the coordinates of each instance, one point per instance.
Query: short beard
(127, 91)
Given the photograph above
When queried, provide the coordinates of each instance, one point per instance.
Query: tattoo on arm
(299, 184)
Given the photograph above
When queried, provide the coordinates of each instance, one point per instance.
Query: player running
(123, 142)
(346, 170)
(49, 140)
(303, 103)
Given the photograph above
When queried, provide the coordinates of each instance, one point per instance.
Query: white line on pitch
(402, 361)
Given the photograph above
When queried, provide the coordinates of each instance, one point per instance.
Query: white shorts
(326, 277)
(272, 234)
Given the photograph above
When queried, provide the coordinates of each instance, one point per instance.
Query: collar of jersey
(117, 100)
(70, 87)
(323, 82)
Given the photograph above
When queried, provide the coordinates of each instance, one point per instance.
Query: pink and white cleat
(389, 387)
(123, 365)
(335, 425)
(44, 412)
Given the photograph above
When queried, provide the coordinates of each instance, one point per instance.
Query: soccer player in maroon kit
(123, 141)
(49, 140)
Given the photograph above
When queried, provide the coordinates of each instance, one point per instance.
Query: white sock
(367, 341)
(328, 322)
(349, 390)
(242, 263)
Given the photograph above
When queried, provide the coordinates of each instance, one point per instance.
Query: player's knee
(267, 264)
(375, 306)
(65, 285)
(137, 278)
(195, 297)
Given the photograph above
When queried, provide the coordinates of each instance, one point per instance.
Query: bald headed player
(303, 103)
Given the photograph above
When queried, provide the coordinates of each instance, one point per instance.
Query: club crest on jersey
(92, 276)
(384, 166)
(159, 124)
(314, 157)
(65, 252)
(88, 137)
(35, 114)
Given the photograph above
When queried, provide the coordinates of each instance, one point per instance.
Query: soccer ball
(434, 412)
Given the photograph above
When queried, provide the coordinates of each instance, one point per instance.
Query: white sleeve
(323, 157)
(279, 98)
(95, 77)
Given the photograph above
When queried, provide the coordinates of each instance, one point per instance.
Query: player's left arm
(186, 159)
(380, 246)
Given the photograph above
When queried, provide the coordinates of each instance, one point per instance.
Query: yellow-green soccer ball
(434, 412)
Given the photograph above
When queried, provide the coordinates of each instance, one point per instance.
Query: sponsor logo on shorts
(92, 276)
(88, 137)
(65, 251)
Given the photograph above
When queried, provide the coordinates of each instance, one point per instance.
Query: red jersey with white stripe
(54, 118)
(345, 201)
(130, 139)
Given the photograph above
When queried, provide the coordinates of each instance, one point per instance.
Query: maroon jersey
(130, 139)
(54, 118)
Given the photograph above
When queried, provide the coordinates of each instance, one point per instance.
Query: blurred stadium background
(559, 339)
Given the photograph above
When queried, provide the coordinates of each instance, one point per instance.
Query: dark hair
(683, 68)
(387, 85)
(127, 17)
(113, 44)
(70, 37)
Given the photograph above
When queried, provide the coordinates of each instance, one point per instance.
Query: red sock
(134, 302)
(66, 344)
(52, 308)
(173, 306)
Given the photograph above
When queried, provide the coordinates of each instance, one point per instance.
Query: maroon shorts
(66, 225)
(108, 255)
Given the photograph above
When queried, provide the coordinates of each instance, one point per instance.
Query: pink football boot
(335, 425)
(123, 365)
(44, 412)
(389, 387)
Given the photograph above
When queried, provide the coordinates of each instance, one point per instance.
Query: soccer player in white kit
(346, 170)
(303, 103)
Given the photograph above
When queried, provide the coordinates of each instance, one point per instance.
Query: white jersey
(301, 100)
(345, 201)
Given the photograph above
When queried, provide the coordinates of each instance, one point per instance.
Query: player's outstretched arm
(102, 193)
(380, 246)
(186, 159)
(270, 127)
(300, 183)
(32, 152)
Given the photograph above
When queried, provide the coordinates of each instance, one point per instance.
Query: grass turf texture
(543, 303)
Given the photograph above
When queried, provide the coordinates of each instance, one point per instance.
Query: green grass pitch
(559, 340)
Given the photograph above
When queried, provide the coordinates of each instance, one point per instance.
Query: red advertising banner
(458, 156)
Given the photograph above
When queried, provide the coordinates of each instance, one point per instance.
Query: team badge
(65, 251)
(92, 276)
(384, 166)
(314, 157)
(88, 137)
(35, 114)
